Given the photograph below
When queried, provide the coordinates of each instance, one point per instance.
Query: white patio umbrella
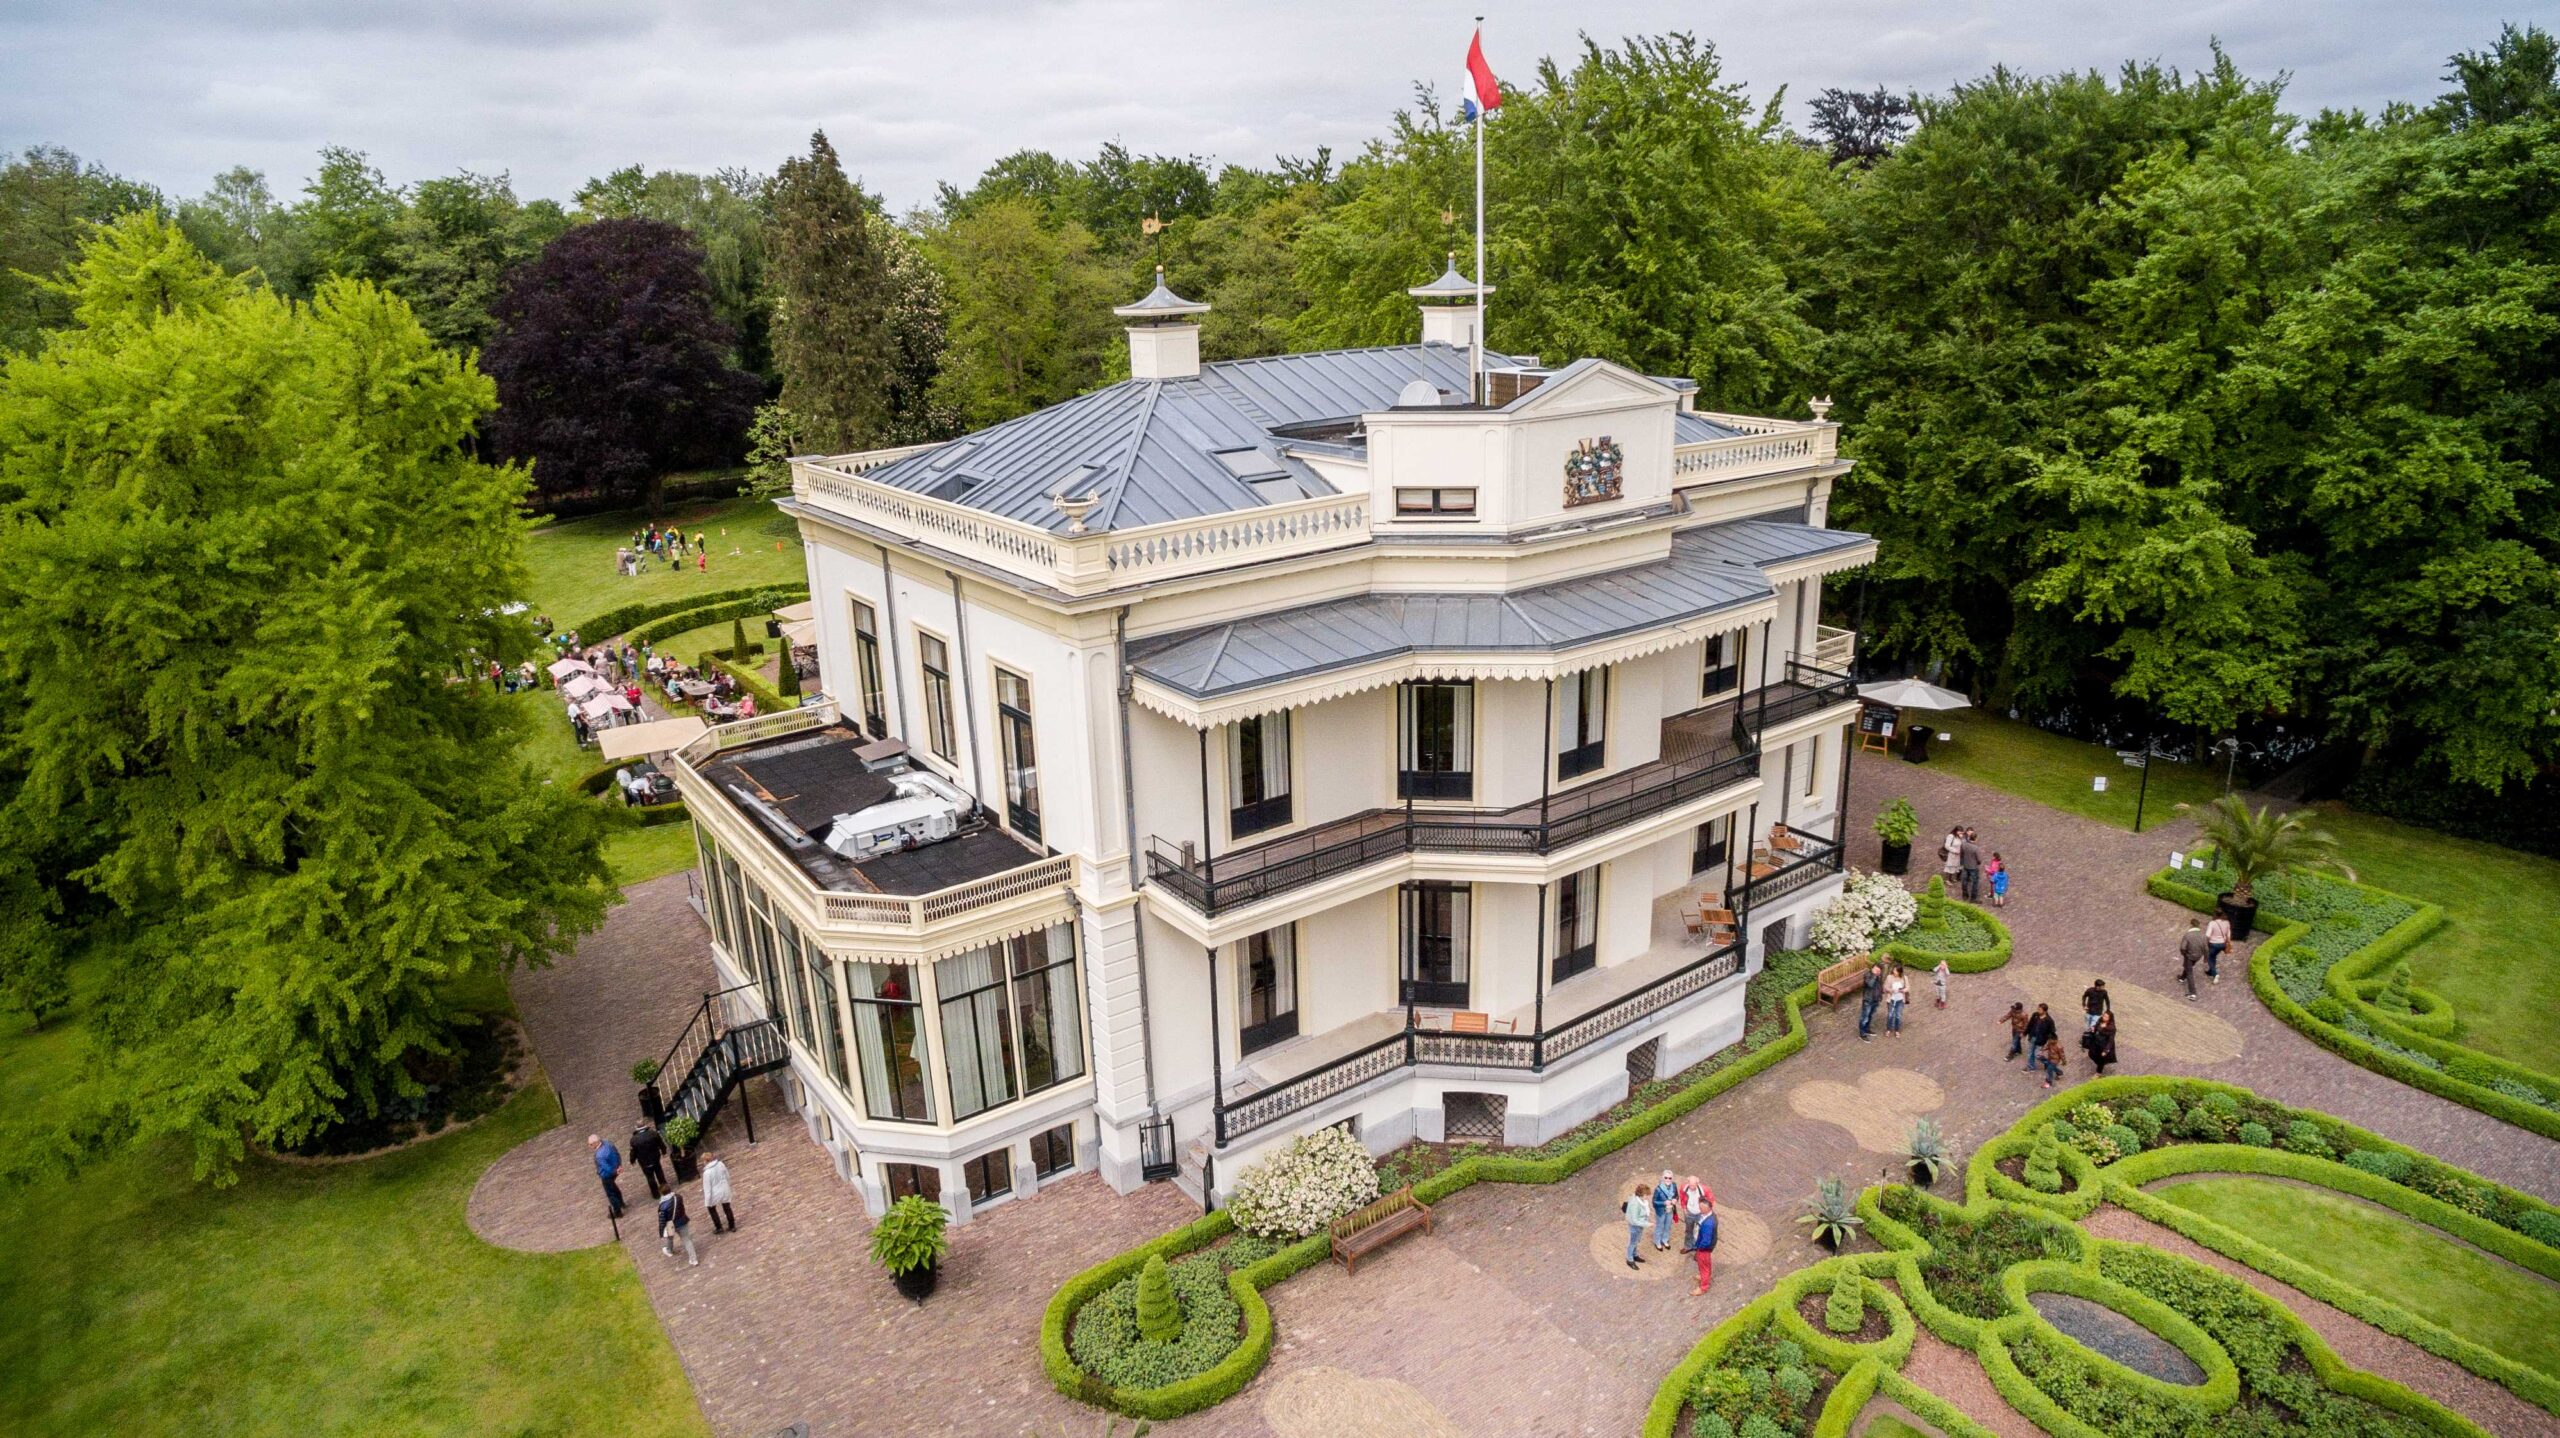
(1911, 694)
(580, 687)
(566, 667)
(604, 707)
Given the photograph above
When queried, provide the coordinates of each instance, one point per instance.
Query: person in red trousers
(1703, 1244)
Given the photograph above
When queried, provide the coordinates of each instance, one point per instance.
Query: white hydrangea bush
(1871, 908)
(1318, 1178)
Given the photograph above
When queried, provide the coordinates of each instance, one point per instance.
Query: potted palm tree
(910, 1242)
(1895, 828)
(2259, 844)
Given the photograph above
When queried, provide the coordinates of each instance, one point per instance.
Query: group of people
(2205, 942)
(669, 544)
(1668, 1202)
(1888, 988)
(1961, 861)
(675, 1221)
(2039, 1037)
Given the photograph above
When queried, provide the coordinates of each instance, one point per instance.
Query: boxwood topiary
(2145, 1125)
(2382, 1163)
(2304, 1137)
(2255, 1135)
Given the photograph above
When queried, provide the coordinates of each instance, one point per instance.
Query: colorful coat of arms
(1592, 472)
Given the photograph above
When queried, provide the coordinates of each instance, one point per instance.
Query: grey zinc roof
(1155, 444)
(1709, 569)
(1689, 428)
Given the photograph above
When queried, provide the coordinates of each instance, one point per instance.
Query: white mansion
(1252, 746)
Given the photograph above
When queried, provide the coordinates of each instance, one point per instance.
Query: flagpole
(1476, 368)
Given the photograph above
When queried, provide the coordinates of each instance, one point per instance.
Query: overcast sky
(553, 91)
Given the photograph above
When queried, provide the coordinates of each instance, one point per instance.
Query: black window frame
(1277, 1025)
(1574, 918)
(1021, 756)
(1415, 779)
(1582, 736)
(1266, 809)
(919, 1180)
(1725, 677)
(1415, 904)
(1709, 848)
(977, 1175)
(873, 692)
(890, 1106)
(941, 721)
(1439, 500)
(1053, 1151)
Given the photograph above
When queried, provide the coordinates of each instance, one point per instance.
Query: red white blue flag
(1488, 94)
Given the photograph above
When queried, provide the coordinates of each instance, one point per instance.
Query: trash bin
(1915, 746)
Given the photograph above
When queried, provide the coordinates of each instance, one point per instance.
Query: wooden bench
(1843, 978)
(1377, 1225)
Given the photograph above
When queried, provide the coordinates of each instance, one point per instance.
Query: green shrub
(2202, 1125)
(1710, 1425)
(2255, 1135)
(2304, 1137)
(2145, 1125)
(2163, 1105)
(1787, 1354)
(2224, 1106)
(1933, 905)
(2090, 1115)
(2394, 997)
(2539, 1224)
(1109, 1344)
(1159, 1316)
(2328, 1009)
(1761, 1425)
(2127, 1143)
(1794, 1384)
(1847, 1310)
(2382, 1163)
(908, 1237)
(2043, 1171)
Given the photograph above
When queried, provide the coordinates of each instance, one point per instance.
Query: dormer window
(1425, 503)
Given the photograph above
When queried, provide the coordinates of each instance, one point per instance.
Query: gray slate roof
(1712, 568)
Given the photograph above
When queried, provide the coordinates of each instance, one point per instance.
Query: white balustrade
(1767, 452)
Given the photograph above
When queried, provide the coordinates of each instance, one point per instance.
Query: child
(1938, 976)
(2016, 1019)
(1999, 883)
(2050, 1056)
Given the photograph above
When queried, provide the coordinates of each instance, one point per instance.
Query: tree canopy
(251, 555)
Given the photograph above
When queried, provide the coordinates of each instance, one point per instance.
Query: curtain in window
(977, 1033)
(1044, 1007)
(889, 1042)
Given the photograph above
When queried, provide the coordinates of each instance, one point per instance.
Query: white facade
(1264, 944)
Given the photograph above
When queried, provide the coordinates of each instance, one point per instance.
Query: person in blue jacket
(608, 1166)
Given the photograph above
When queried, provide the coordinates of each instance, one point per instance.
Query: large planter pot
(2243, 917)
(1921, 1176)
(652, 1107)
(916, 1284)
(1896, 859)
(688, 1163)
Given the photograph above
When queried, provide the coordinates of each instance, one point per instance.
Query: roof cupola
(1449, 307)
(1164, 333)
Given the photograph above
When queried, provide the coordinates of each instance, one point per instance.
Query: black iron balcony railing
(1526, 1052)
(1248, 876)
(1779, 871)
(1809, 687)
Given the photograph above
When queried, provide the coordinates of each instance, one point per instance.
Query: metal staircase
(725, 1044)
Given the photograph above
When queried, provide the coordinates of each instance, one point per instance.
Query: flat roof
(789, 788)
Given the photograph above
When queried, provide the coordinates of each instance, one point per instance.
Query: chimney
(1164, 334)
(1449, 308)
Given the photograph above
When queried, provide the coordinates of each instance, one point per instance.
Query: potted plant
(909, 1242)
(2258, 844)
(1897, 826)
(1831, 1215)
(681, 1134)
(1926, 1152)
(652, 1107)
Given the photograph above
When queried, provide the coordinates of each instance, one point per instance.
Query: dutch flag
(1488, 96)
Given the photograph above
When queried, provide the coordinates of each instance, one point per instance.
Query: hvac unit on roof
(926, 810)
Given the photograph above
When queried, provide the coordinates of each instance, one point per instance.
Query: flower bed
(2322, 971)
(1773, 1028)
(1967, 1273)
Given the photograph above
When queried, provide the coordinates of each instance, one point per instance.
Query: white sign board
(2098, 784)
(2177, 860)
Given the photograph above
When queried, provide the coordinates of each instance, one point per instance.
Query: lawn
(2492, 1303)
(2493, 958)
(752, 543)
(633, 853)
(2022, 759)
(346, 1298)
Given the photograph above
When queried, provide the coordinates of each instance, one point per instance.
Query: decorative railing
(1083, 562)
(1284, 865)
(1812, 858)
(1809, 688)
(1835, 649)
(913, 914)
(738, 732)
(725, 1042)
(1528, 1052)
(1767, 451)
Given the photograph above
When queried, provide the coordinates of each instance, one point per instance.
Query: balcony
(1583, 1011)
(1790, 861)
(1705, 750)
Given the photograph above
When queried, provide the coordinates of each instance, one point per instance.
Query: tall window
(1582, 710)
(888, 1034)
(768, 971)
(1258, 773)
(712, 901)
(1576, 941)
(1714, 839)
(788, 956)
(866, 670)
(1724, 665)
(820, 971)
(1009, 1022)
(1267, 988)
(938, 729)
(1437, 741)
(1435, 943)
(1021, 766)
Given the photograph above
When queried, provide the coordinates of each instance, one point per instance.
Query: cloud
(554, 91)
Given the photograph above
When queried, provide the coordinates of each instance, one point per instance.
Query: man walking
(1867, 1002)
(608, 1167)
(2093, 1002)
(1969, 867)
(2040, 1031)
(2217, 937)
(649, 1151)
(2191, 952)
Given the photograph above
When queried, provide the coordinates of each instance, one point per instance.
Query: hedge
(741, 606)
(622, 618)
(1973, 961)
(1192, 1395)
(768, 700)
(2343, 976)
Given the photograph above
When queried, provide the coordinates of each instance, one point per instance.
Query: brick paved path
(1517, 1316)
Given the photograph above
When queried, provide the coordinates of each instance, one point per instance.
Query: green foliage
(833, 341)
(1159, 1316)
(1899, 823)
(2395, 991)
(644, 1071)
(1030, 312)
(49, 199)
(2144, 1123)
(1830, 1215)
(252, 549)
(1847, 1310)
(910, 1235)
(1926, 1149)
(1933, 904)
(2255, 1135)
(2303, 1136)
(2043, 1171)
(2255, 845)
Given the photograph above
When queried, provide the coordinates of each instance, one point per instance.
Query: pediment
(1590, 385)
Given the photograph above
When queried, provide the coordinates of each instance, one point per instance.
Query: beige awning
(800, 632)
(789, 614)
(656, 737)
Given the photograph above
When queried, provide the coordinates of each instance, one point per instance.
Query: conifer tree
(833, 337)
(2044, 1162)
(1847, 1310)
(1159, 1315)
